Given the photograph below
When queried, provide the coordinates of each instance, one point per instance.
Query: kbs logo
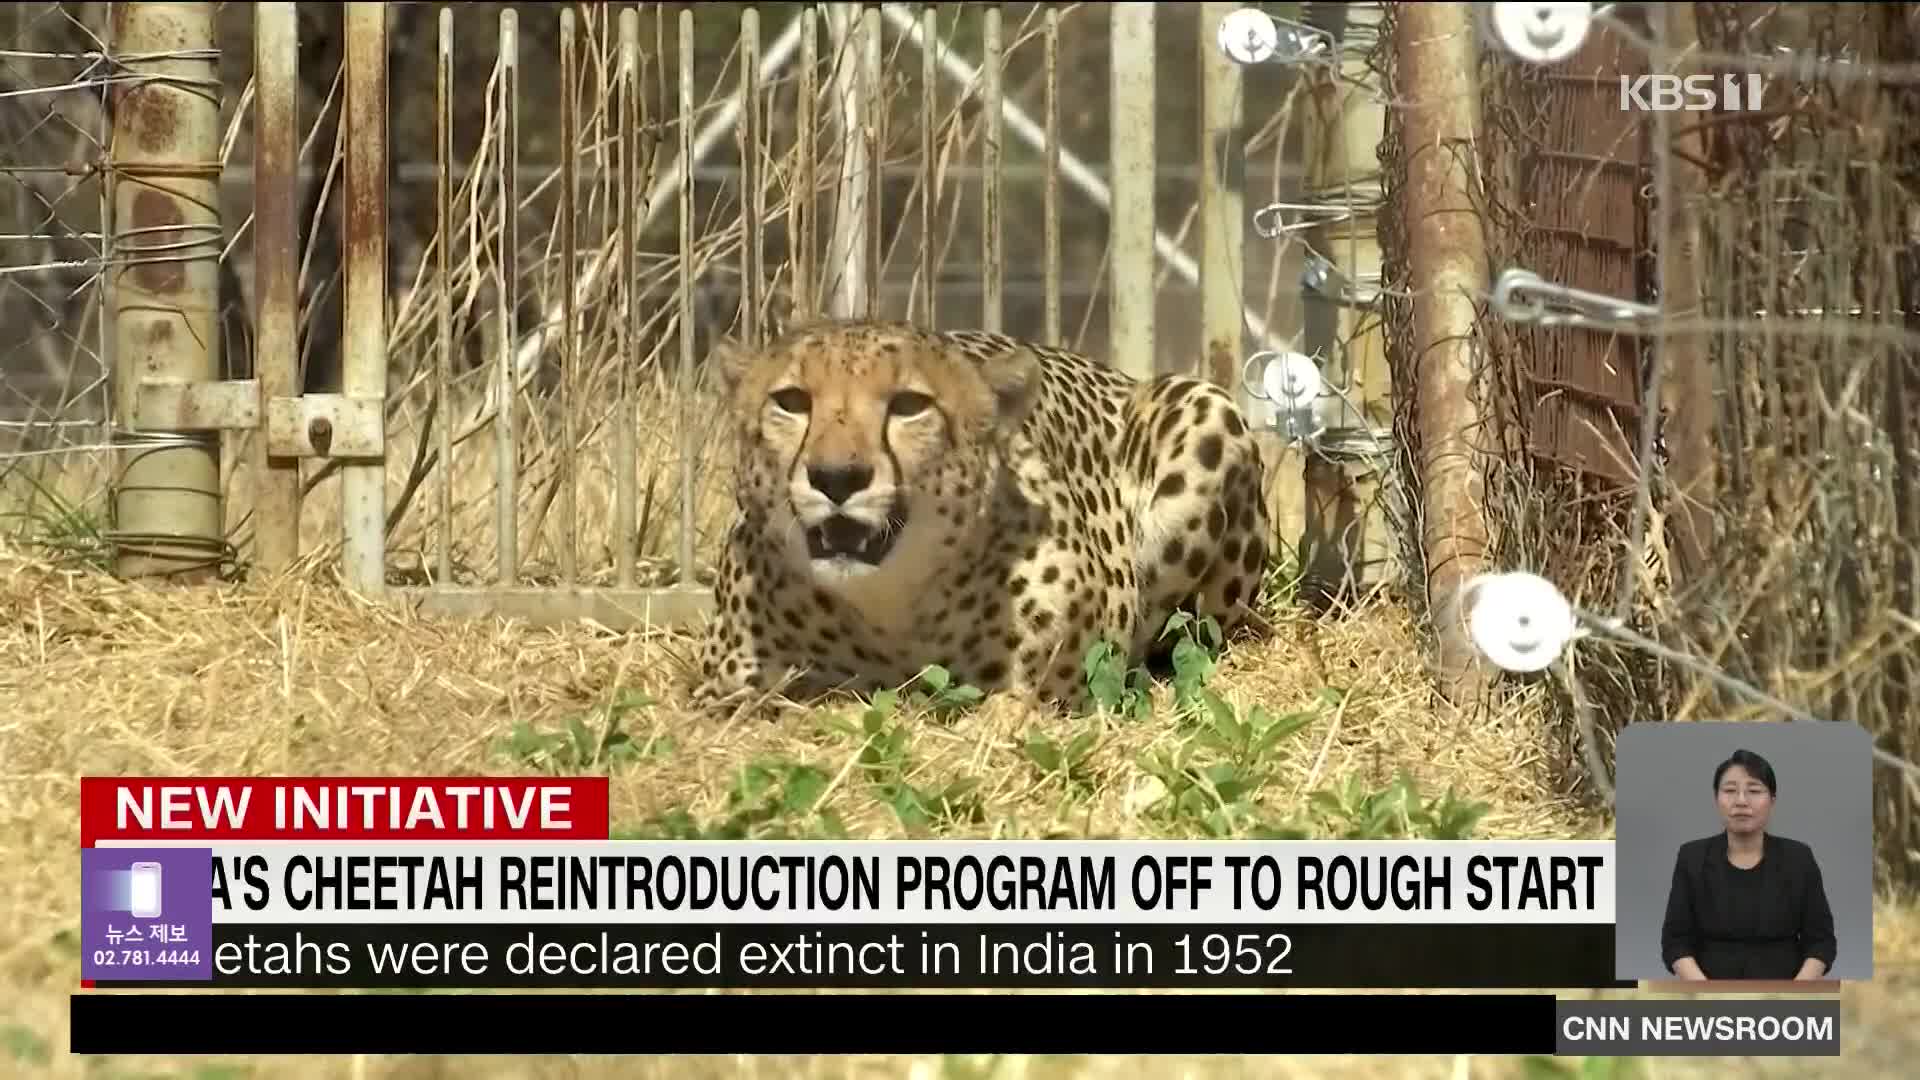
(1694, 93)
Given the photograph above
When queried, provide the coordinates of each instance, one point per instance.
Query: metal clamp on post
(1251, 36)
(1522, 296)
(1322, 280)
(326, 426)
(307, 426)
(1291, 383)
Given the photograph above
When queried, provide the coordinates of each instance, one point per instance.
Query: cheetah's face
(871, 450)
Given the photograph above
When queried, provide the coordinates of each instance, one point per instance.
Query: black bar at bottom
(117, 1023)
(589, 956)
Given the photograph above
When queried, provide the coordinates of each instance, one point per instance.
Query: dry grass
(295, 677)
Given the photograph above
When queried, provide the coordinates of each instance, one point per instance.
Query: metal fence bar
(752, 193)
(847, 248)
(626, 465)
(806, 186)
(276, 272)
(685, 60)
(506, 464)
(1081, 175)
(443, 286)
(929, 162)
(1051, 196)
(992, 63)
(363, 483)
(569, 271)
(1131, 224)
(1222, 206)
(874, 100)
(164, 172)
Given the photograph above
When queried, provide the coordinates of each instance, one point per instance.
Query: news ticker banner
(772, 1023)
(488, 883)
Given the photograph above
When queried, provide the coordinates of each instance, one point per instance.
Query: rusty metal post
(164, 282)
(443, 285)
(1446, 255)
(1686, 364)
(506, 424)
(929, 164)
(1344, 540)
(685, 435)
(363, 482)
(847, 246)
(753, 202)
(873, 103)
(993, 127)
(803, 197)
(1131, 154)
(633, 162)
(568, 477)
(276, 269)
(1223, 173)
(1050, 197)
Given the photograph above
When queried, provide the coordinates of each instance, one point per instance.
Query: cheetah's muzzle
(841, 537)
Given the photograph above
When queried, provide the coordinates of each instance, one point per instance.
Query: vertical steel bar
(752, 196)
(874, 98)
(569, 270)
(626, 465)
(165, 161)
(506, 461)
(847, 248)
(363, 484)
(1051, 197)
(443, 284)
(1071, 169)
(276, 270)
(1131, 225)
(1223, 170)
(992, 64)
(685, 395)
(806, 184)
(1342, 537)
(929, 162)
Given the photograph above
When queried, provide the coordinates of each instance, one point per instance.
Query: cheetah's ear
(1014, 377)
(731, 360)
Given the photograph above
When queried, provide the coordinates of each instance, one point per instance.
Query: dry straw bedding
(297, 677)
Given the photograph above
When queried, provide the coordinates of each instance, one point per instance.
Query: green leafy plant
(935, 691)
(1350, 812)
(595, 740)
(1113, 687)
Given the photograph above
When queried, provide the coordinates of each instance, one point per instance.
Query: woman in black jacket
(1746, 904)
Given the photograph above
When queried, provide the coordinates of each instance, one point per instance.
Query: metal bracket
(326, 426)
(162, 405)
(308, 426)
(1320, 279)
(1522, 296)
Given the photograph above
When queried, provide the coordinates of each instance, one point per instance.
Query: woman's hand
(1811, 968)
(1688, 970)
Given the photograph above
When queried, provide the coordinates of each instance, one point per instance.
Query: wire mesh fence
(53, 393)
(1729, 488)
(575, 201)
(976, 122)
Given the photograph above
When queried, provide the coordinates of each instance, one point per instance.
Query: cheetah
(909, 497)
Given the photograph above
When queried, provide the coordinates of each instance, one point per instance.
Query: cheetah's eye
(793, 400)
(907, 404)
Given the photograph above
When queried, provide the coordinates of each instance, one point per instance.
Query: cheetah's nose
(840, 482)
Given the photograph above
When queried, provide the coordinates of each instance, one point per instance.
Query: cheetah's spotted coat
(909, 497)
